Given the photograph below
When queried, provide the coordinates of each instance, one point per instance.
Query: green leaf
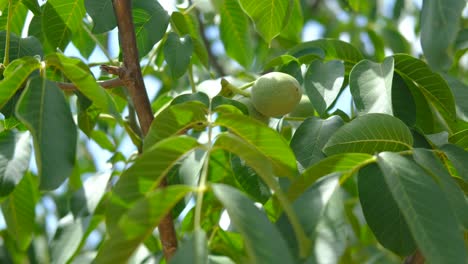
(423, 204)
(333, 49)
(85, 200)
(174, 120)
(440, 22)
(187, 24)
(268, 15)
(403, 104)
(193, 250)
(20, 47)
(145, 174)
(265, 140)
(198, 96)
(235, 33)
(221, 100)
(279, 61)
(151, 21)
(459, 90)
(370, 133)
(295, 22)
(254, 227)
(60, 20)
(18, 18)
(323, 83)
(433, 166)
(459, 159)
(431, 85)
(345, 164)
(263, 167)
(46, 113)
(310, 208)
(394, 39)
(177, 52)
(32, 5)
(310, 138)
(371, 86)
(79, 74)
(15, 154)
(102, 13)
(138, 223)
(382, 212)
(249, 180)
(15, 75)
(67, 239)
(19, 212)
(460, 139)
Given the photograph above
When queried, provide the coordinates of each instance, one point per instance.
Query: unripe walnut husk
(303, 109)
(252, 111)
(276, 94)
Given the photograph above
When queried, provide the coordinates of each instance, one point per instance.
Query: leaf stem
(203, 177)
(190, 76)
(247, 85)
(6, 58)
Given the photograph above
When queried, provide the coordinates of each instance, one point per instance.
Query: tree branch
(132, 77)
(107, 84)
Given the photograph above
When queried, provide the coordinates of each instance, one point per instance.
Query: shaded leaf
(150, 21)
(403, 104)
(382, 212)
(440, 21)
(46, 113)
(193, 250)
(15, 154)
(423, 204)
(323, 82)
(341, 163)
(177, 53)
(85, 200)
(174, 120)
(370, 133)
(102, 13)
(310, 138)
(459, 159)
(254, 226)
(371, 86)
(250, 181)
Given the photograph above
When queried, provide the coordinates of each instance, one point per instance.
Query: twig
(415, 258)
(219, 69)
(131, 75)
(107, 84)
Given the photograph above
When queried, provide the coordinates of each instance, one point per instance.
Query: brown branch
(415, 258)
(107, 84)
(214, 61)
(131, 75)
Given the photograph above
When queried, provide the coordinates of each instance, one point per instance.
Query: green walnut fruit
(252, 111)
(303, 109)
(275, 94)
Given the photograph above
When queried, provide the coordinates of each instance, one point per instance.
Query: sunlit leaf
(138, 223)
(45, 112)
(266, 140)
(235, 33)
(371, 86)
(370, 133)
(323, 83)
(15, 154)
(145, 174)
(19, 212)
(15, 75)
